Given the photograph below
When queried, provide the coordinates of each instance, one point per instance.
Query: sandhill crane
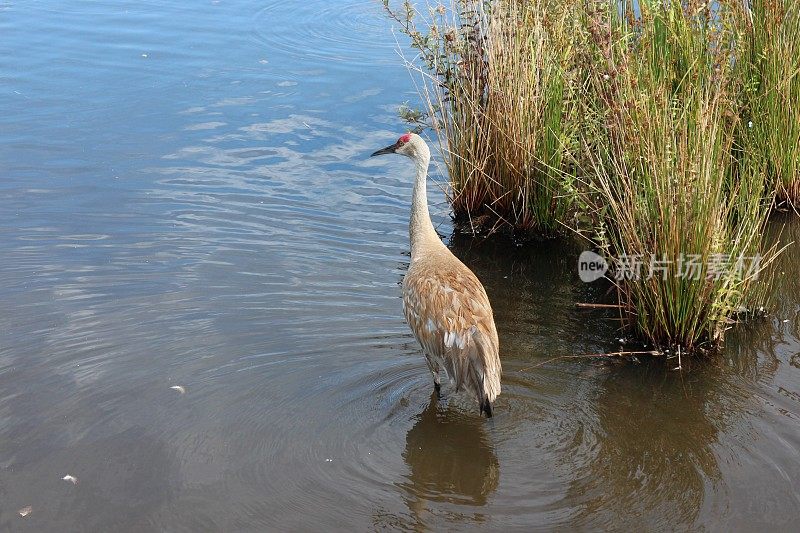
(444, 303)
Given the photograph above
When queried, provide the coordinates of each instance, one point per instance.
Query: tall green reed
(498, 84)
(768, 64)
(666, 186)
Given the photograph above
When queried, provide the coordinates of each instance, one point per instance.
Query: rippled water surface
(186, 200)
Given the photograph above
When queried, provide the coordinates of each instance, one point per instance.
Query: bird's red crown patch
(405, 138)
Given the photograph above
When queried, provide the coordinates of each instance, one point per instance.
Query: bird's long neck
(420, 227)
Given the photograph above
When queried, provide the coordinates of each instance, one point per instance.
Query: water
(186, 200)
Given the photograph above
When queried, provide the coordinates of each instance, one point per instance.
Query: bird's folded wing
(451, 318)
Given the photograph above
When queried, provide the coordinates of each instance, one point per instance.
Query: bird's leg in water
(437, 384)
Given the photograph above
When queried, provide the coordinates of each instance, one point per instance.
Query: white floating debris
(179, 388)
(72, 479)
(785, 321)
(25, 511)
(328, 460)
(144, 55)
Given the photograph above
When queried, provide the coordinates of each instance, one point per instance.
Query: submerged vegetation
(663, 131)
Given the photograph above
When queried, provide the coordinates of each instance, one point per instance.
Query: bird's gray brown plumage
(444, 303)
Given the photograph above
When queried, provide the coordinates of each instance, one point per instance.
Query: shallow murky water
(186, 200)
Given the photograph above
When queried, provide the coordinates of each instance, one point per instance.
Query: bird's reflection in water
(450, 461)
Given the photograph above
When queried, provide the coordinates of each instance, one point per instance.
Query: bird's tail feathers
(478, 372)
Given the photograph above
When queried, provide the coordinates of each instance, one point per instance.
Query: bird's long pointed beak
(388, 150)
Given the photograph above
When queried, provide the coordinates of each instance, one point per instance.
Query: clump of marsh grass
(667, 125)
(500, 88)
(670, 198)
(768, 63)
